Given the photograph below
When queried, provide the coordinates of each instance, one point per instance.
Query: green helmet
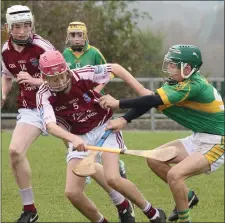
(181, 55)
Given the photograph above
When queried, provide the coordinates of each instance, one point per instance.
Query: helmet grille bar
(13, 13)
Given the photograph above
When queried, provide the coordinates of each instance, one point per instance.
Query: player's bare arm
(6, 88)
(59, 132)
(99, 88)
(125, 75)
(24, 77)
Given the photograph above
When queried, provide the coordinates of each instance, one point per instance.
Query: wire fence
(152, 84)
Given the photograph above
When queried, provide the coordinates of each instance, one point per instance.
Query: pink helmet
(54, 70)
(52, 63)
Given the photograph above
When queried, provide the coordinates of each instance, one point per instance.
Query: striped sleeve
(43, 105)
(100, 59)
(5, 72)
(97, 74)
(42, 43)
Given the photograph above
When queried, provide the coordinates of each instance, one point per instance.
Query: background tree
(112, 27)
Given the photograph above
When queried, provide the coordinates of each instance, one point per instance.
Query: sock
(88, 180)
(190, 194)
(103, 220)
(29, 208)
(28, 199)
(122, 166)
(184, 216)
(124, 205)
(150, 212)
(116, 197)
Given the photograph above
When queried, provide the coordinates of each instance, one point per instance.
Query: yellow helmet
(77, 26)
(77, 36)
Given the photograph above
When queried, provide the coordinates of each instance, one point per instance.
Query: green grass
(47, 160)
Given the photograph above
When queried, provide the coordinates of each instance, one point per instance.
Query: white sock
(101, 219)
(116, 197)
(147, 207)
(27, 196)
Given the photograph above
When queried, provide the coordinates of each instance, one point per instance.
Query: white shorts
(114, 140)
(211, 146)
(32, 117)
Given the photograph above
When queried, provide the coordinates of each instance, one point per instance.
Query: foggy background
(199, 23)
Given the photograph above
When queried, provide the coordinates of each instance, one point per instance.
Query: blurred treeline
(112, 28)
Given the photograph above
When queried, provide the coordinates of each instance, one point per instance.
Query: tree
(112, 28)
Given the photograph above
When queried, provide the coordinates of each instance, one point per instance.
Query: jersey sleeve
(44, 44)
(5, 72)
(44, 106)
(100, 59)
(99, 74)
(173, 94)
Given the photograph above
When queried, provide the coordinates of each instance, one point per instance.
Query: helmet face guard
(76, 40)
(77, 36)
(170, 67)
(20, 24)
(21, 33)
(178, 57)
(54, 70)
(58, 82)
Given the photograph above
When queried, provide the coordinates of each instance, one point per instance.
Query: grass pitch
(47, 160)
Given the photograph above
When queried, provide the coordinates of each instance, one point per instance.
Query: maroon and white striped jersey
(78, 110)
(27, 60)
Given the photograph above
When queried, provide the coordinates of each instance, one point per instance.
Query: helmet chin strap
(171, 81)
(77, 48)
(23, 42)
(182, 71)
(60, 88)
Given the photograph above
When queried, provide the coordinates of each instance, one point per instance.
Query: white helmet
(19, 14)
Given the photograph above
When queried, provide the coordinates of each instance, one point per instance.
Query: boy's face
(21, 31)
(76, 38)
(58, 82)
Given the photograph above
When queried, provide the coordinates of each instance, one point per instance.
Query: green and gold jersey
(195, 104)
(90, 56)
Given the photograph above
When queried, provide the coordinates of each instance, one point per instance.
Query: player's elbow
(50, 127)
(116, 68)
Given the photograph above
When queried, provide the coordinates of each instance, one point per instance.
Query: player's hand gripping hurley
(87, 166)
